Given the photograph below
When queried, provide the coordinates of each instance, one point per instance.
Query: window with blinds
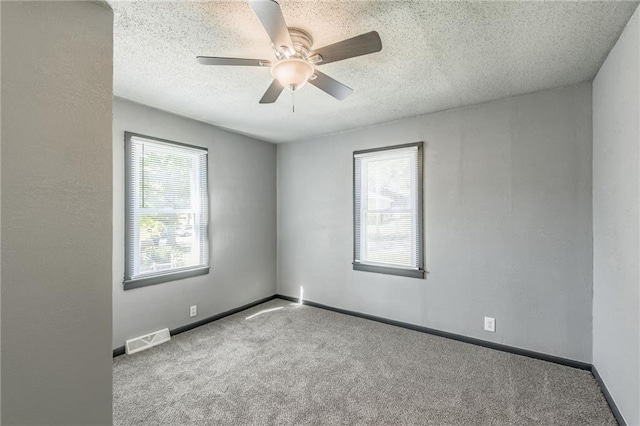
(166, 233)
(387, 184)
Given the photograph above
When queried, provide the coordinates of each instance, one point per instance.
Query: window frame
(176, 274)
(384, 269)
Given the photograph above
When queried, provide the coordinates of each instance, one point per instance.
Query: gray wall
(0, 216)
(56, 213)
(616, 222)
(242, 196)
(507, 222)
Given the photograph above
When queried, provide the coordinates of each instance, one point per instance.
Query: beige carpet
(299, 365)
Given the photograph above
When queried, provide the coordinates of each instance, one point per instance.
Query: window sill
(163, 278)
(411, 273)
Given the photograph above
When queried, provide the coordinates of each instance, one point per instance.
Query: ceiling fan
(296, 62)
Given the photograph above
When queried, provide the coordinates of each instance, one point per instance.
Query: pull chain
(293, 101)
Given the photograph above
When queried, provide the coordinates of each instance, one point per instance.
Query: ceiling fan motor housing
(293, 70)
(302, 41)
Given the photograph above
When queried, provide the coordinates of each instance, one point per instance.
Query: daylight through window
(388, 210)
(166, 229)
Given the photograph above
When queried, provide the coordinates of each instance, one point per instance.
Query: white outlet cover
(193, 311)
(490, 324)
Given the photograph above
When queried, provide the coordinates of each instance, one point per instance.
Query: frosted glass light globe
(292, 73)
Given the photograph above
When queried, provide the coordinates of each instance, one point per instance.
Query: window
(166, 233)
(387, 214)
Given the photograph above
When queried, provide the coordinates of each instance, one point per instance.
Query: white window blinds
(387, 208)
(166, 229)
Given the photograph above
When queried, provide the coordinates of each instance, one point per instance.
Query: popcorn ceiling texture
(435, 56)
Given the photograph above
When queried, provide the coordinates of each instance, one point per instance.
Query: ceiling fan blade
(271, 18)
(213, 60)
(272, 93)
(350, 48)
(331, 86)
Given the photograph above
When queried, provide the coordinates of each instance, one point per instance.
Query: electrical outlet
(193, 311)
(490, 324)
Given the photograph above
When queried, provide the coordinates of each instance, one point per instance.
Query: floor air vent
(147, 341)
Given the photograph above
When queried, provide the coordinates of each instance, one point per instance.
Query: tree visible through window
(166, 230)
(388, 210)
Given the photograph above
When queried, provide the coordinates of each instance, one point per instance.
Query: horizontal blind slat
(168, 208)
(385, 207)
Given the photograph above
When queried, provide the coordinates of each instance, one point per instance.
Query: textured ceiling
(435, 56)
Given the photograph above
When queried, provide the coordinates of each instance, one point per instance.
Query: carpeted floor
(298, 365)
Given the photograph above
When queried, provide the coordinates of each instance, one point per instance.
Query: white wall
(56, 213)
(507, 222)
(616, 222)
(242, 196)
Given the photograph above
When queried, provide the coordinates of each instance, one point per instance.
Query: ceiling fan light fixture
(292, 73)
(295, 60)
